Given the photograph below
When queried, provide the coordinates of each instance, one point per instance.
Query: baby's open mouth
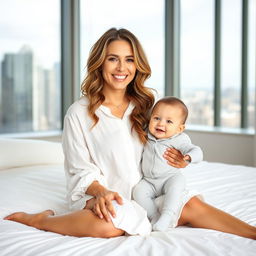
(159, 130)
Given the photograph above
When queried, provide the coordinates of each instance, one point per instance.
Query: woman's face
(118, 68)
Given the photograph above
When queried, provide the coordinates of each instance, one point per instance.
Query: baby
(166, 127)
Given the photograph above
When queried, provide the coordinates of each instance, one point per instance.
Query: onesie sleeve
(79, 167)
(187, 148)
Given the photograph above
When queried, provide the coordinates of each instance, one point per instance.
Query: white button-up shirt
(109, 152)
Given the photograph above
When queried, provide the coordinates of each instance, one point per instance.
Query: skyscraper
(17, 91)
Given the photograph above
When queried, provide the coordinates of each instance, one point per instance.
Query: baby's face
(166, 121)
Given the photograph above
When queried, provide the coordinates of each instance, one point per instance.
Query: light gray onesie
(161, 178)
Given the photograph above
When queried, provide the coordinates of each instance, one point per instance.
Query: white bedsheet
(36, 188)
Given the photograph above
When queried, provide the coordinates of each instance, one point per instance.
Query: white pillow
(24, 152)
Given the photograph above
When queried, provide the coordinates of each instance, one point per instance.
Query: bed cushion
(25, 152)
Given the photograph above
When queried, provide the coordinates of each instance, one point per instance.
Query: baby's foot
(33, 220)
(163, 222)
(154, 219)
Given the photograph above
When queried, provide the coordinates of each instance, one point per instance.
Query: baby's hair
(173, 101)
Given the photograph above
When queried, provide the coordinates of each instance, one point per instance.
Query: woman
(103, 138)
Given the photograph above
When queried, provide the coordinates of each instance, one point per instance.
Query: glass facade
(30, 89)
(251, 63)
(197, 59)
(30, 93)
(231, 53)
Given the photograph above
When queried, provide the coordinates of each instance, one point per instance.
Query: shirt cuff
(79, 190)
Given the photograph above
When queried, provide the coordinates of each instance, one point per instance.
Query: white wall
(225, 147)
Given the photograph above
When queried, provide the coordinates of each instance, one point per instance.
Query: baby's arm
(175, 158)
(191, 152)
(183, 152)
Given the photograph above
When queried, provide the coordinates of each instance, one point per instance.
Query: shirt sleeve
(79, 167)
(187, 148)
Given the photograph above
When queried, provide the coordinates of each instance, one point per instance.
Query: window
(251, 63)
(30, 66)
(144, 18)
(231, 34)
(197, 59)
(217, 62)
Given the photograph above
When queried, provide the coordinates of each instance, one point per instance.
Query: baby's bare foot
(33, 220)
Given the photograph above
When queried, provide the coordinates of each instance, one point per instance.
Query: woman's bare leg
(198, 214)
(82, 223)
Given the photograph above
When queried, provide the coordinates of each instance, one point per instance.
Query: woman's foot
(33, 220)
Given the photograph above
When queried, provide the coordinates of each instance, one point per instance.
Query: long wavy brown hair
(141, 96)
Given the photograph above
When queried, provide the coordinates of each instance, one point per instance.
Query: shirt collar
(107, 110)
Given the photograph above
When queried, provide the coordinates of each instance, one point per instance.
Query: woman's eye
(112, 59)
(130, 60)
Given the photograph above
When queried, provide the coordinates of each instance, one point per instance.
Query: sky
(34, 23)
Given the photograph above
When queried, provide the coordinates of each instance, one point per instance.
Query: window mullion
(217, 64)
(244, 66)
(172, 47)
(70, 52)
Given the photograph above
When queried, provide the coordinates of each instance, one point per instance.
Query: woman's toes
(14, 216)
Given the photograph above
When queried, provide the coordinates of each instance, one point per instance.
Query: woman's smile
(118, 69)
(120, 78)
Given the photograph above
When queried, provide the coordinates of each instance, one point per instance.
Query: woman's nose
(121, 65)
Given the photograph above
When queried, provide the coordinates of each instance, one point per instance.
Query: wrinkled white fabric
(39, 187)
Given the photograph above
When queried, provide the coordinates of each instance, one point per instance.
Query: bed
(32, 179)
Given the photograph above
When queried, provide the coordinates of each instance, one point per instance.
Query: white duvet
(39, 187)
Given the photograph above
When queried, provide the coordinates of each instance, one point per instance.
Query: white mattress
(40, 187)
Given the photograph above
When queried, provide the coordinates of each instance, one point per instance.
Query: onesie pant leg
(144, 194)
(173, 190)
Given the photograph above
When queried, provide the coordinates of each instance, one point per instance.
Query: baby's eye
(156, 118)
(169, 121)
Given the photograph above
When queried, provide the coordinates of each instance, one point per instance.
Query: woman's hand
(175, 158)
(101, 204)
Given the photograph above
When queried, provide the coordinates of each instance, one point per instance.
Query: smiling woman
(96, 174)
(119, 53)
(118, 68)
(118, 71)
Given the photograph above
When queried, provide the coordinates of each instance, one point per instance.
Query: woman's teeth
(120, 77)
